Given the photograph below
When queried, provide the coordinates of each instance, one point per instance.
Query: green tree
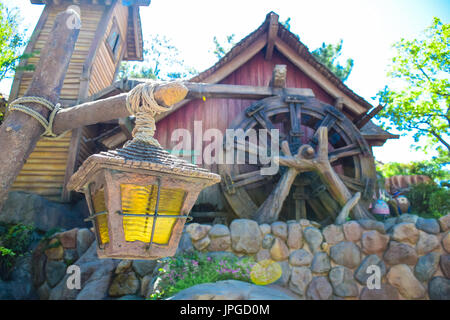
(417, 100)
(328, 55)
(436, 168)
(162, 61)
(12, 42)
(221, 49)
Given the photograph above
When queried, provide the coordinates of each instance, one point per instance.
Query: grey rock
(218, 230)
(55, 271)
(230, 290)
(319, 289)
(320, 263)
(427, 242)
(406, 217)
(144, 267)
(124, 284)
(428, 225)
(333, 234)
(295, 236)
(313, 237)
(20, 285)
(386, 292)
(43, 292)
(84, 240)
(285, 273)
(445, 265)
(389, 223)
(444, 223)
(347, 254)
(280, 229)
(400, 253)
(370, 224)
(439, 288)
(70, 256)
(29, 208)
(426, 266)
(300, 278)
(299, 258)
(246, 236)
(361, 272)
(344, 285)
(268, 241)
(185, 244)
(96, 275)
(202, 244)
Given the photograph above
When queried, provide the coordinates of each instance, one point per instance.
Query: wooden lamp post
(140, 196)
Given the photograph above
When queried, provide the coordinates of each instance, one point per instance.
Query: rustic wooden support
(114, 107)
(342, 217)
(19, 132)
(272, 31)
(362, 122)
(307, 160)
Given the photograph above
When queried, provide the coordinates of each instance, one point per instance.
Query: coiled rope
(47, 124)
(141, 103)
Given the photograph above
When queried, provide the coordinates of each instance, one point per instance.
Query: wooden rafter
(271, 35)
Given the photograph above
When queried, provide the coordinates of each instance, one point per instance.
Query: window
(113, 41)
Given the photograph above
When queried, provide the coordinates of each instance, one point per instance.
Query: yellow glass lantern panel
(141, 200)
(102, 220)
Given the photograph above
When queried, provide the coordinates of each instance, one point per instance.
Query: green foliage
(418, 98)
(189, 269)
(11, 43)
(162, 61)
(222, 49)
(328, 55)
(434, 168)
(429, 200)
(14, 243)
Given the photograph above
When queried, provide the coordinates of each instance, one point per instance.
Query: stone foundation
(413, 256)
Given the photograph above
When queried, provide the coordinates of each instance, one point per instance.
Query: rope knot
(141, 103)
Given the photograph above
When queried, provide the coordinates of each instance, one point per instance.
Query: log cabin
(251, 62)
(110, 33)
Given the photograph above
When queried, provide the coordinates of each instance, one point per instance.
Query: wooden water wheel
(303, 193)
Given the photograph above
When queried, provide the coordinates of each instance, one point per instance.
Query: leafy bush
(429, 200)
(14, 243)
(189, 269)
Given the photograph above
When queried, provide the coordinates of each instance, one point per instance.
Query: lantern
(140, 196)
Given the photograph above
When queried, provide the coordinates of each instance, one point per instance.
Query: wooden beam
(19, 131)
(271, 35)
(71, 162)
(114, 107)
(362, 122)
(14, 93)
(319, 78)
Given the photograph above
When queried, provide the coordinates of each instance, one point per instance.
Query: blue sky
(368, 29)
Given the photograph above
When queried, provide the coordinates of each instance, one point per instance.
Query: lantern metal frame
(143, 162)
(109, 178)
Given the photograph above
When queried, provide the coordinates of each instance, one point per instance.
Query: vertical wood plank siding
(219, 113)
(104, 66)
(45, 169)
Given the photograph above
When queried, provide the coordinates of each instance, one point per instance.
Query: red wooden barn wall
(219, 113)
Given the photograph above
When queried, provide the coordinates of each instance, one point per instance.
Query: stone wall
(413, 255)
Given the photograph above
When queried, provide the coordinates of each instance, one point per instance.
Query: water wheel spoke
(347, 151)
(352, 183)
(247, 178)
